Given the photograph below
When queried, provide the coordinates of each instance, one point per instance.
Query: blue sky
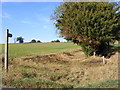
(31, 20)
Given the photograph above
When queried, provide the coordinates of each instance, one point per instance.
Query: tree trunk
(108, 44)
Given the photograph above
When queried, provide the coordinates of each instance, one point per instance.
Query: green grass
(101, 84)
(34, 49)
(35, 83)
(115, 46)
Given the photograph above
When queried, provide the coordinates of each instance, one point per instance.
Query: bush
(96, 23)
(101, 49)
(33, 41)
(38, 41)
(56, 41)
(87, 49)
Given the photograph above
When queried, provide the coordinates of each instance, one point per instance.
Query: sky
(31, 20)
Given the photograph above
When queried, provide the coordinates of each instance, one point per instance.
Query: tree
(93, 24)
(20, 39)
(33, 41)
(56, 40)
(39, 41)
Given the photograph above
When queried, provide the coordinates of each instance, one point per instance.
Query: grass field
(58, 65)
(34, 49)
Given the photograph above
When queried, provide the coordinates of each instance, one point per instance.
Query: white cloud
(45, 27)
(6, 15)
(25, 22)
(43, 19)
(46, 20)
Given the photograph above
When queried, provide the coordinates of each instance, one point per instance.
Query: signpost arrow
(9, 35)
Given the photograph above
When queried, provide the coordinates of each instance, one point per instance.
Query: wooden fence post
(94, 54)
(6, 50)
(103, 60)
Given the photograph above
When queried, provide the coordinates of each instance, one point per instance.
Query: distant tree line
(56, 41)
(34, 41)
(21, 40)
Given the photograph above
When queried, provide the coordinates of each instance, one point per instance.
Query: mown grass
(34, 49)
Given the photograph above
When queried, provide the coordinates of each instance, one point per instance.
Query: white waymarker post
(6, 48)
(94, 54)
(103, 60)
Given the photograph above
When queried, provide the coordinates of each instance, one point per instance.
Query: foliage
(86, 49)
(20, 39)
(94, 23)
(39, 41)
(33, 41)
(56, 41)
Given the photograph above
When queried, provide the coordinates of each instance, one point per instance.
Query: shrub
(33, 41)
(38, 41)
(86, 48)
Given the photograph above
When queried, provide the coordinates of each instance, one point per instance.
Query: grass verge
(101, 84)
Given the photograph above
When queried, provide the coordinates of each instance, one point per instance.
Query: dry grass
(66, 69)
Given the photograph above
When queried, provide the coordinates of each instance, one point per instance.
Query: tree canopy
(20, 39)
(39, 41)
(33, 41)
(93, 23)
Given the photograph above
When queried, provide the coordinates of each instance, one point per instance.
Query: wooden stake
(6, 50)
(94, 54)
(103, 60)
